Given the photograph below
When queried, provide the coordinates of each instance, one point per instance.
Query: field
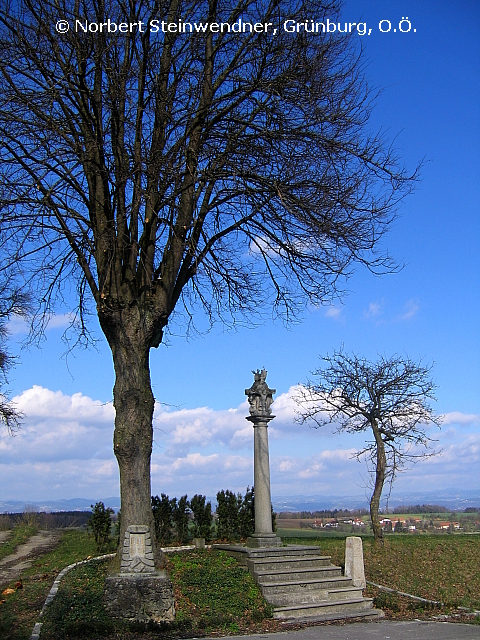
(214, 596)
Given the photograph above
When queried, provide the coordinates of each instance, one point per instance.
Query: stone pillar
(354, 566)
(260, 398)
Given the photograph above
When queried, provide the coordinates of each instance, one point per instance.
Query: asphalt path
(384, 630)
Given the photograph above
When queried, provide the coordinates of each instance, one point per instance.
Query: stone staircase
(303, 585)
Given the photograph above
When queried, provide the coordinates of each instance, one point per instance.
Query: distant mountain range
(454, 499)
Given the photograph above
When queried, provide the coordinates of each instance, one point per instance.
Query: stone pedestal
(140, 597)
(257, 540)
(354, 566)
(139, 592)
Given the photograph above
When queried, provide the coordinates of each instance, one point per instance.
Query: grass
(441, 568)
(212, 590)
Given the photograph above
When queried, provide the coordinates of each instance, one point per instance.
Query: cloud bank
(64, 450)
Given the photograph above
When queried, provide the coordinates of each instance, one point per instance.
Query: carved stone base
(257, 540)
(140, 597)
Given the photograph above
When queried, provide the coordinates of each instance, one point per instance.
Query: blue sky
(430, 104)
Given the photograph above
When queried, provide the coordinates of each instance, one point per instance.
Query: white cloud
(374, 310)
(333, 312)
(18, 325)
(410, 310)
(456, 417)
(64, 449)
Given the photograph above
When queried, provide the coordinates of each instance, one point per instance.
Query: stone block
(140, 597)
(354, 566)
(260, 540)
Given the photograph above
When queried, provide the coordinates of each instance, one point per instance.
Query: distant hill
(52, 506)
(451, 499)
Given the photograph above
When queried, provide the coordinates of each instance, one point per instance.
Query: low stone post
(260, 398)
(354, 566)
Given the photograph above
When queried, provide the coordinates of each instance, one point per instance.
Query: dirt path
(4, 535)
(11, 566)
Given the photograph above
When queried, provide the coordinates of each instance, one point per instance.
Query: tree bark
(134, 405)
(380, 471)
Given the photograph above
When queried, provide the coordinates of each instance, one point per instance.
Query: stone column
(260, 398)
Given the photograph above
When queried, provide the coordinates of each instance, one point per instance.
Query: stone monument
(354, 566)
(260, 398)
(139, 591)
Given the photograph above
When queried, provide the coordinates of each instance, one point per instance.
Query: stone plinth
(140, 597)
(354, 566)
(261, 540)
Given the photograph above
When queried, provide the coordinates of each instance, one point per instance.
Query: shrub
(100, 524)
(180, 518)
(236, 515)
(202, 517)
(227, 515)
(246, 515)
(162, 514)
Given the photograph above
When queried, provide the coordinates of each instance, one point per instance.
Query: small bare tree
(12, 302)
(390, 397)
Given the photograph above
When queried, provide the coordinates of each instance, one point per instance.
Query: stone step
(340, 608)
(311, 596)
(288, 562)
(290, 550)
(328, 583)
(263, 577)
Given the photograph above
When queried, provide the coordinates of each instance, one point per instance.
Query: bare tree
(13, 302)
(173, 169)
(388, 398)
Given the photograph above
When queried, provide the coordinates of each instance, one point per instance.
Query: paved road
(384, 630)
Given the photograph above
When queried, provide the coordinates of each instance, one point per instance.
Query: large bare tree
(389, 399)
(165, 171)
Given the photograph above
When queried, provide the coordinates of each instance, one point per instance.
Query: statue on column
(260, 397)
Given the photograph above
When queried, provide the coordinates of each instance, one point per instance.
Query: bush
(100, 524)
(236, 515)
(246, 515)
(180, 517)
(162, 514)
(202, 517)
(228, 506)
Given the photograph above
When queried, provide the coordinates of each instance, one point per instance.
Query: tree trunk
(133, 437)
(380, 471)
